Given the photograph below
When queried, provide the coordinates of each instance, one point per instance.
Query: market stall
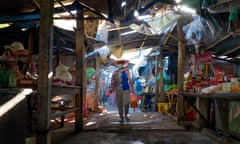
(165, 32)
(218, 111)
(213, 93)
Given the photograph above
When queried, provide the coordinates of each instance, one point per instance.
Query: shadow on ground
(143, 128)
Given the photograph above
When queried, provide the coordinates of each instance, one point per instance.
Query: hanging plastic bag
(108, 92)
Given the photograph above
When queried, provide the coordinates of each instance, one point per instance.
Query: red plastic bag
(133, 100)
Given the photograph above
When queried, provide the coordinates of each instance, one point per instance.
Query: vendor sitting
(16, 50)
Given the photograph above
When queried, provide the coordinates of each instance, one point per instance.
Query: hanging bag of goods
(133, 100)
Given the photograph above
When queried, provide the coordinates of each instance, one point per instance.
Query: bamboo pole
(180, 80)
(45, 77)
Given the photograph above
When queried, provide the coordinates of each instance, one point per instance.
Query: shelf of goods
(62, 102)
(68, 96)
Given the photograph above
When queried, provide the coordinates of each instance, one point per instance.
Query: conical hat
(117, 51)
(15, 46)
(124, 62)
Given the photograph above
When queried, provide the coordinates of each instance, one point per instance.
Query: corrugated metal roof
(112, 9)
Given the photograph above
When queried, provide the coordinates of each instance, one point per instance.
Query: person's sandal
(121, 121)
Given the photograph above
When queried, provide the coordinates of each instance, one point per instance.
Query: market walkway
(143, 128)
(139, 121)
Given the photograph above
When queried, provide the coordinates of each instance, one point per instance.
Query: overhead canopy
(25, 13)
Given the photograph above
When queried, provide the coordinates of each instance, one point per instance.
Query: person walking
(122, 84)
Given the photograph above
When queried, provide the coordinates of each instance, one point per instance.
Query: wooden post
(180, 80)
(156, 81)
(45, 76)
(150, 74)
(30, 52)
(97, 77)
(202, 106)
(162, 96)
(80, 69)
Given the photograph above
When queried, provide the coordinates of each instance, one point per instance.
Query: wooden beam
(133, 41)
(82, 4)
(63, 112)
(36, 3)
(137, 49)
(224, 6)
(216, 42)
(166, 40)
(117, 28)
(168, 36)
(230, 51)
(63, 6)
(143, 42)
(171, 49)
(235, 57)
(174, 37)
(80, 69)
(119, 36)
(45, 76)
(31, 17)
(180, 80)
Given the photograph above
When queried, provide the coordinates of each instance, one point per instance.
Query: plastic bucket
(159, 107)
(163, 107)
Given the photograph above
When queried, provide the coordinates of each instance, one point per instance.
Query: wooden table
(221, 108)
(58, 90)
(172, 99)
